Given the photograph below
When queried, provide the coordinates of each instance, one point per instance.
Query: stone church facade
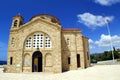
(42, 45)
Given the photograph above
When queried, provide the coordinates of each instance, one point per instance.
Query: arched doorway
(37, 62)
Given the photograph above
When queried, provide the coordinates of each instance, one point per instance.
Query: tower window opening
(15, 23)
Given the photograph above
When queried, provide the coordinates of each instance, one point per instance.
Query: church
(42, 45)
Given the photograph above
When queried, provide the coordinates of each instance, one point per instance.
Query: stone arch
(48, 59)
(27, 59)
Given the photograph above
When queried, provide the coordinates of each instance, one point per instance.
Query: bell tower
(17, 21)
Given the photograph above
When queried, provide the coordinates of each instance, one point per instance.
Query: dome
(47, 17)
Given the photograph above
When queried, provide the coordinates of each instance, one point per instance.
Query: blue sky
(88, 15)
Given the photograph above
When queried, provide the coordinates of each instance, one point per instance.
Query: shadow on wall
(65, 55)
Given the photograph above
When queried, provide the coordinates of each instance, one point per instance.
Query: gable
(39, 22)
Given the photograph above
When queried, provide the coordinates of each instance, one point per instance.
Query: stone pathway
(96, 72)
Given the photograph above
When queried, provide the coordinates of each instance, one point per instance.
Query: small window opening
(12, 41)
(68, 41)
(78, 60)
(11, 60)
(68, 60)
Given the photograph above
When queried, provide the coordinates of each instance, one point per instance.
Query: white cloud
(103, 44)
(105, 40)
(93, 21)
(90, 41)
(91, 47)
(107, 2)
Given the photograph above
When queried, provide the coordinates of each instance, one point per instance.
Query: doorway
(78, 60)
(37, 62)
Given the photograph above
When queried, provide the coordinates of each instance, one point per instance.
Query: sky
(93, 17)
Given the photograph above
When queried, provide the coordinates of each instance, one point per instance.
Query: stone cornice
(71, 30)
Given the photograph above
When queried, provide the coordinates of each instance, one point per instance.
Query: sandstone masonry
(42, 45)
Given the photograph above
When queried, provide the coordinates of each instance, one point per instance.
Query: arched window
(47, 42)
(38, 40)
(28, 42)
(15, 23)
